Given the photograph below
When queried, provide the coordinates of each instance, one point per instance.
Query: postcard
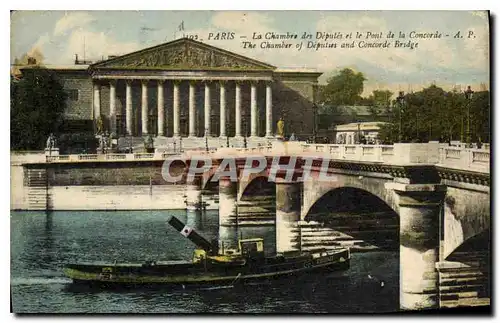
(250, 161)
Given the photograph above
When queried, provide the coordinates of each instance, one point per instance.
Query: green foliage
(344, 88)
(37, 104)
(379, 101)
(436, 115)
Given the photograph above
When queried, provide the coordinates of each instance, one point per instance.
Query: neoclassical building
(188, 89)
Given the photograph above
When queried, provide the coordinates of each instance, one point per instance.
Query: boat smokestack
(190, 233)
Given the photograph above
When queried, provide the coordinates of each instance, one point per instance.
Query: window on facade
(73, 95)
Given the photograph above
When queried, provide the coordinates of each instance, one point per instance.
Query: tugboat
(210, 267)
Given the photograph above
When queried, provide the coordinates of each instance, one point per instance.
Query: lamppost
(468, 96)
(227, 134)
(400, 99)
(315, 108)
(359, 134)
(245, 136)
(206, 140)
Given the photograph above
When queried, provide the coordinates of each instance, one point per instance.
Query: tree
(38, 102)
(344, 88)
(434, 114)
(379, 102)
(480, 116)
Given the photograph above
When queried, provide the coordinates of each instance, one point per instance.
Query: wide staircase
(465, 282)
(38, 198)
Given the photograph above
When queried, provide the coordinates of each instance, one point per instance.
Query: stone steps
(36, 182)
(36, 177)
(470, 301)
(37, 198)
(464, 284)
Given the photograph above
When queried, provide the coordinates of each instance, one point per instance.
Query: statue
(50, 145)
(99, 123)
(149, 143)
(50, 142)
(281, 128)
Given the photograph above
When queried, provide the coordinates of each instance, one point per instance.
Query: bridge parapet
(465, 158)
(469, 159)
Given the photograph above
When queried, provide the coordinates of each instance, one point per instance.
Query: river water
(42, 243)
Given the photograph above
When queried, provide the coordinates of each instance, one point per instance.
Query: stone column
(144, 107)
(192, 110)
(237, 110)
(97, 100)
(222, 111)
(128, 106)
(419, 209)
(177, 114)
(193, 194)
(269, 110)
(112, 105)
(228, 217)
(288, 202)
(207, 131)
(161, 109)
(253, 109)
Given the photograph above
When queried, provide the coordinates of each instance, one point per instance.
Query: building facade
(186, 88)
(357, 132)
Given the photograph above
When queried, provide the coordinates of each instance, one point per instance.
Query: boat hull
(188, 274)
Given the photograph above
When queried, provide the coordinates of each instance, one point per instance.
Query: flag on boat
(186, 231)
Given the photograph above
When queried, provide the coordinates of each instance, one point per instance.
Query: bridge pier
(194, 220)
(193, 194)
(288, 204)
(419, 212)
(228, 213)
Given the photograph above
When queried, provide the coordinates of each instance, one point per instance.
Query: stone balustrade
(465, 158)
(397, 154)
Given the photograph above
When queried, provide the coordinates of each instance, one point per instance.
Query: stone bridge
(436, 197)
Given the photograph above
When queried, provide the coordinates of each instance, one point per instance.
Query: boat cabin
(251, 246)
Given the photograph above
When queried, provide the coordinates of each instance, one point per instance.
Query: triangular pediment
(183, 54)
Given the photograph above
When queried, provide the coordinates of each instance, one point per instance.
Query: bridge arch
(258, 186)
(466, 215)
(244, 184)
(207, 184)
(353, 215)
(314, 190)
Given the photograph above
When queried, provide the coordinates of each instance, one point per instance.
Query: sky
(446, 62)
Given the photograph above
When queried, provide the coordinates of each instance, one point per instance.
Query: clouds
(72, 20)
(72, 34)
(97, 45)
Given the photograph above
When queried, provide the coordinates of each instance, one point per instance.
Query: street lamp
(315, 108)
(245, 135)
(359, 134)
(227, 134)
(400, 99)
(468, 96)
(206, 140)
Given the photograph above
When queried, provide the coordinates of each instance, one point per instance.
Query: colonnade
(175, 104)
